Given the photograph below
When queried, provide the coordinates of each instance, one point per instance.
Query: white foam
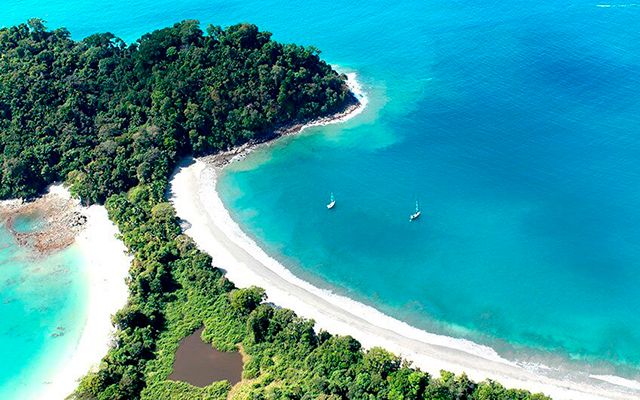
(616, 380)
(623, 5)
(358, 92)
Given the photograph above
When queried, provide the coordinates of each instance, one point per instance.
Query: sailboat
(416, 214)
(332, 202)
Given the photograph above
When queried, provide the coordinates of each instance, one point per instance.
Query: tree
(246, 300)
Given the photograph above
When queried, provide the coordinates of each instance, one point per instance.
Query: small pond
(199, 364)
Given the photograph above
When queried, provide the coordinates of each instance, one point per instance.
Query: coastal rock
(55, 221)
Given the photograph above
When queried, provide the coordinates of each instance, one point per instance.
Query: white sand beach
(107, 266)
(197, 202)
(193, 193)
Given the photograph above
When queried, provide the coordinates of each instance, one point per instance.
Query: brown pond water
(200, 364)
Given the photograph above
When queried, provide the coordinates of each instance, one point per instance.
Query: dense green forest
(105, 116)
(112, 120)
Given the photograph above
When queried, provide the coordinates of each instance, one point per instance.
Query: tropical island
(113, 121)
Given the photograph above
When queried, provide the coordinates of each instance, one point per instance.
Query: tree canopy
(106, 116)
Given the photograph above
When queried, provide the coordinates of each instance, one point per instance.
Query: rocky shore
(56, 219)
(353, 107)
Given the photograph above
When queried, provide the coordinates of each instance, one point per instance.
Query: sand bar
(107, 265)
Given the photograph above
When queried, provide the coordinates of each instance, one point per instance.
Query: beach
(210, 225)
(105, 265)
(193, 193)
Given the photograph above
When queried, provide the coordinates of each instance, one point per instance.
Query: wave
(628, 5)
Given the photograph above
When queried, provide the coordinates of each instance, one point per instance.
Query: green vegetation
(113, 120)
(106, 116)
(174, 291)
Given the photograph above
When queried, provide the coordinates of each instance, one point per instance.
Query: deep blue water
(517, 126)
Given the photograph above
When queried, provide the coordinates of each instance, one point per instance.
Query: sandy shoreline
(193, 193)
(105, 264)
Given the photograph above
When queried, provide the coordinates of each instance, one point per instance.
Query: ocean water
(516, 125)
(41, 313)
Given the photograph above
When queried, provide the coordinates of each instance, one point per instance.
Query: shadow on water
(200, 364)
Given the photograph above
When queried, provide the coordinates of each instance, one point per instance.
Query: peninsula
(113, 121)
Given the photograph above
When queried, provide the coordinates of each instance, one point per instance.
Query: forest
(112, 120)
(105, 116)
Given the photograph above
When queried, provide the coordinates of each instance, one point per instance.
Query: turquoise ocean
(42, 313)
(516, 125)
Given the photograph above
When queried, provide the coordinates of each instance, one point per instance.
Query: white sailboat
(332, 202)
(416, 214)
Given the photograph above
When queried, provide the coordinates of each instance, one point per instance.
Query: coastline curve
(193, 194)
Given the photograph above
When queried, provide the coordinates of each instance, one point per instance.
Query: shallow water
(515, 124)
(41, 313)
(27, 223)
